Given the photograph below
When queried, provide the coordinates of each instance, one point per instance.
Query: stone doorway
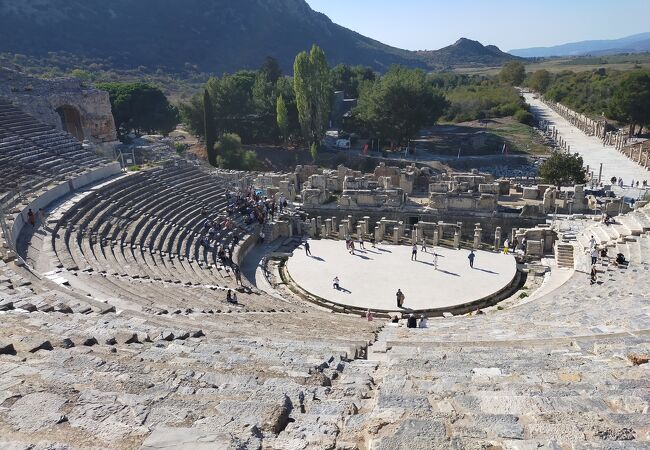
(71, 121)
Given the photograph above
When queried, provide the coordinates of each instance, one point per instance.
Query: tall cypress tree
(209, 128)
(313, 88)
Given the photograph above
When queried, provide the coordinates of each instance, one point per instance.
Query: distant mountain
(465, 52)
(637, 43)
(214, 35)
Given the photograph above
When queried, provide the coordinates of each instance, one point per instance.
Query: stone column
(477, 236)
(319, 221)
(328, 227)
(334, 225)
(457, 238)
(343, 228)
(414, 234)
(350, 224)
(323, 231)
(366, 224)
(497, 239)
(436, 237)
(379, 236)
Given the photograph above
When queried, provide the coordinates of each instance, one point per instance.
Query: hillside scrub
(481, 101)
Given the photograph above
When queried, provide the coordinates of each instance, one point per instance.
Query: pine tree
(209, 128)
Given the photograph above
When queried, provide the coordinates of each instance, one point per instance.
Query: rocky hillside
(465, 52)
(214, 35)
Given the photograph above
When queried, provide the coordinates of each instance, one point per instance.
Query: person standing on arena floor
(424, 245)
(594, 255)
(400, 298)
(506, 246)
(435, 261)
(335, 283)
(307, 250)
(471, 257)
(414, 252)
(361, 245)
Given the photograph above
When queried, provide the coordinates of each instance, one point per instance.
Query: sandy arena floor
(371, 278)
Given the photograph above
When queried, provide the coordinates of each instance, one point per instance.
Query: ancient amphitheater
(115, 331)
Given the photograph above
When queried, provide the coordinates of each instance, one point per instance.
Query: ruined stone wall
(41, 98)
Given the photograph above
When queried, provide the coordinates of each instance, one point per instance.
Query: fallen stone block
(32, 344)
(7, 349)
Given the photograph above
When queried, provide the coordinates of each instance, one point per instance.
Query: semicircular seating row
(149, 226)
(33, 154)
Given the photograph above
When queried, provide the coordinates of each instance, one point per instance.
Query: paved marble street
(370, 278)
(591, 149)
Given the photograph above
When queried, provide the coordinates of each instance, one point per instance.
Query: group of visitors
(514, 245)
(633, 183)
(254, 207)
(412, 321)
(31, 217)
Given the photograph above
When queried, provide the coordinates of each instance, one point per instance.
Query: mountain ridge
(215, 36)
(636, 43)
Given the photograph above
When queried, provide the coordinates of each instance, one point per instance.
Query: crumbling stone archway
(71, 121)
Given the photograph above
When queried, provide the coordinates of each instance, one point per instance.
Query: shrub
(525, 117)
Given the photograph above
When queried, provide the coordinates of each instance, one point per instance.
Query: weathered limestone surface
(41, 98)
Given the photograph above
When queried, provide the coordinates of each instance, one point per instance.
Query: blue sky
(432, 24)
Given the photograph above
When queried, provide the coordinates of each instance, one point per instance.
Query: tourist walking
(435, 261)
(424, 245)
(369, 315)
(594, 255)
(400, 298)
(237, 273)
(307, 250)
(372, 240)
(335, 283)
(424, 323)
(414, 252)
(361, 244)
(471, 257)
(30, 217)
(262, 236)
(506, 246)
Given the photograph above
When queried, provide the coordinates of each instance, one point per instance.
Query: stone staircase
(564, 255)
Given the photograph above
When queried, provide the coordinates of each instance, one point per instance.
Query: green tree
(209, 129)
(513, 73)
(271, 68)
(631, 100)
(540, 80)
(399, 104)
(141, 108)
(349, 78)
(313, 150)
(563, 168)
(313, 91)
(231, 155)
(282, 117)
